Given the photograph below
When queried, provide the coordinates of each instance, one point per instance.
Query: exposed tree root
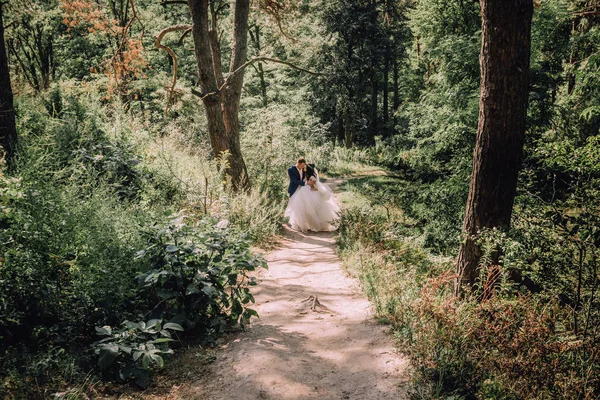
(314, 302)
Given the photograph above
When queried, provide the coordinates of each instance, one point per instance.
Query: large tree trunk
(8, 130)
(504, 63)
(233, 94)
(222, 106)
(206, 76)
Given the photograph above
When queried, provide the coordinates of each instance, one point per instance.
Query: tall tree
(504, 66)
(8, 130)
(220, 96)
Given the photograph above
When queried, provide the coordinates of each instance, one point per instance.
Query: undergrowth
(504, 342)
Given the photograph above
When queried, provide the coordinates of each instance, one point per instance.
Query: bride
(313, 207)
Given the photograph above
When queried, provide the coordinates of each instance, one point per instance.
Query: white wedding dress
(313, 210)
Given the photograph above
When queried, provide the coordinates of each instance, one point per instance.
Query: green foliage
(101, 164)
(60, 257)
(198, 275)
(501, 341)
(366, 42)
(83, 201)
(135, 348)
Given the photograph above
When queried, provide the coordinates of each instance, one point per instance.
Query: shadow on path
(302, 349)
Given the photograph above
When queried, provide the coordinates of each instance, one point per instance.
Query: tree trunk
(374, 78)
(261, 72)
(222, 106)
(8, 129)
(348, 131)
(44, 50)
(374, 94)
(233, 94)
(341, 133)
(386, 76)
(206, 76)
(263, 84)
(396, 90)
(504, 64)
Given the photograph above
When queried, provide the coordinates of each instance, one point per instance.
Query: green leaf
(590, 112)
(172, 249)
(165, 333)
(162, 340)
(158, 359)
(209, 290)
(173, 326)
(154, 323)
(140, 254)
(248, 298)
(191, 289)
(146, 360)
(236, 308)
(248, 312)
(104, 330)
(166, 294)
(130, 325)
(124, 348)
(108, 354)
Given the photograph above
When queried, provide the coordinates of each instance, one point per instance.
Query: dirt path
(335, 351)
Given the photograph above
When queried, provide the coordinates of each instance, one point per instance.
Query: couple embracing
(312, 206)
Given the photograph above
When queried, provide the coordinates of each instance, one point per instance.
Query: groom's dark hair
(301, 160)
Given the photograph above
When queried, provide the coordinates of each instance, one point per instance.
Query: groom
(298, 176)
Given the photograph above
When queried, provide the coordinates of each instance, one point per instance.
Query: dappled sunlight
(315, 338)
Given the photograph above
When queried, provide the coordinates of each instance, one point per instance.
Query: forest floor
(316, 337)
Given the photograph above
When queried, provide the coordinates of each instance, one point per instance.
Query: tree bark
(396, 74)
(386, 77)
(504, 65)
(233, 94)
(222, 106)
(374, 77)
(206, 76)
(8, 129)
(348, 131)
(374, 95)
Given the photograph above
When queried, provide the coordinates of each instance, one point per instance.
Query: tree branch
(185, 33)
(159, 45)
(248, 63)
(269, 59)
(170, 2)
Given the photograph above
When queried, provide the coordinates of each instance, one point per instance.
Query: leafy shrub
(135, 348)
(198, 275)
(114, 164)
(67, 263)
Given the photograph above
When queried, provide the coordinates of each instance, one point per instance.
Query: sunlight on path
(302, 347)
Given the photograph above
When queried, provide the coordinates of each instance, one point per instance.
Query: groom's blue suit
(295, 179)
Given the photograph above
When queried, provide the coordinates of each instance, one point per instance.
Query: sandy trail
(336, 351)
